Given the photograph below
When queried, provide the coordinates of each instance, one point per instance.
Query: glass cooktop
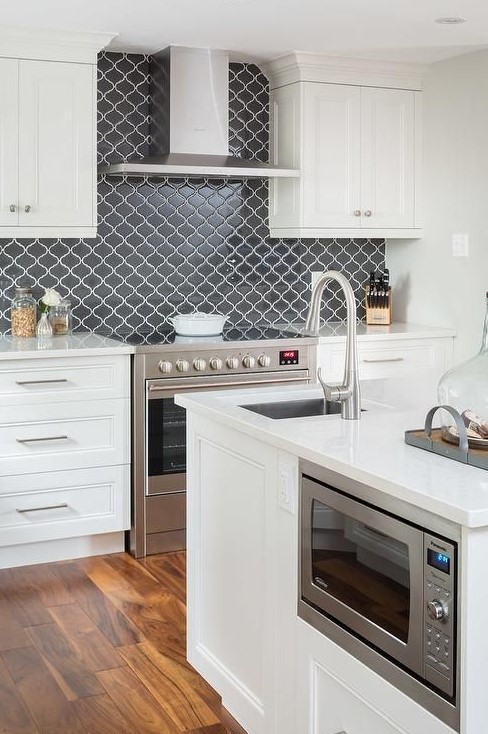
(230, 334)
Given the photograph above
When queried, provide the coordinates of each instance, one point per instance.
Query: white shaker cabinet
(48, 134)
(357, 146)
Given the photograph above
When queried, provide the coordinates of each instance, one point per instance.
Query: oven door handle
(234, 383)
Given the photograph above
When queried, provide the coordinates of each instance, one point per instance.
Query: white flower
(51, 297)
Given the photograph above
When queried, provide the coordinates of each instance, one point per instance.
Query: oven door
(166, 421)
(363, 569)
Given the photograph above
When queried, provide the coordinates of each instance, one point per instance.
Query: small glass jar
(23, 313)
(60, 318)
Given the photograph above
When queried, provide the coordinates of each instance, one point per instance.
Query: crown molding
(301, 66)
(52, 45)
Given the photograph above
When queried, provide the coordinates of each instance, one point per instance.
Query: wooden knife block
(375, 315)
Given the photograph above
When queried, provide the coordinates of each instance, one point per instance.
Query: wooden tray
(431, 440)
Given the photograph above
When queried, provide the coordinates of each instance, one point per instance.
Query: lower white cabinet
(64, 456)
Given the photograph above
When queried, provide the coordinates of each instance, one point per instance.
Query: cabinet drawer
(384, 359)
(28, 382)
(64, 436)
(64, 504)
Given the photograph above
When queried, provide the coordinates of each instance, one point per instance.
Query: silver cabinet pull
(367, 213)
(12, 208)
(46, 438)
(341, 732)
(27, 208)
(62, 506)
(357, 213)
(40, 382)
(377, 361)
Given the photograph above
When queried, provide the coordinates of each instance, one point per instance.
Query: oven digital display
(289, 356)
(439, 561)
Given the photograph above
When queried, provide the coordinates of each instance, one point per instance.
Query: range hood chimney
(189, 114)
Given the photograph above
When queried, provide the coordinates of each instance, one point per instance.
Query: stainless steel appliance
(380, 578)
(165, 364)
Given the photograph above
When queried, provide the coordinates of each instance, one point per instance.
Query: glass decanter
(465, 388)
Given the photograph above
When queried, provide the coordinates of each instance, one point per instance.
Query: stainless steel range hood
(189, 121)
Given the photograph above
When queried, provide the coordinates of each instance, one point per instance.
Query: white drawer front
(64, 504)
(64, 436)
(31, 382)
(384, 359)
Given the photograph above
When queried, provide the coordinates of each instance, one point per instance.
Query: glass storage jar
(60, 318)
(465, 388)
(23, 313)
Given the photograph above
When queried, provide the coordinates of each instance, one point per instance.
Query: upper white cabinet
(357, 146)
(48, 133)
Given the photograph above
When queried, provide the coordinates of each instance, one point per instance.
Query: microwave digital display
(439, 561)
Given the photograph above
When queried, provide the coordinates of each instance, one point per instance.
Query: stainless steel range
(165, 364)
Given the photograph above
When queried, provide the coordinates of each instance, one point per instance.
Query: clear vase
(465, 388)
(44, 328)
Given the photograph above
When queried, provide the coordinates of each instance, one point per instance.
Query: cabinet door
(285, 123)
(8, 141)
(56, 144)
(387, 158)
(331, 161)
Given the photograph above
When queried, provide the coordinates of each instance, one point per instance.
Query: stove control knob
(215, 363)
(248, 361)
(199, 364)
(182, 365)
(264, 360)
(436, 610)
(232, 363)
(165, 367)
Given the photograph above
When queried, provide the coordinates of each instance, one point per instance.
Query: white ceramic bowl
(198, 324)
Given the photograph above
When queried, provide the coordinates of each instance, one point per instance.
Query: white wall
(431, 286)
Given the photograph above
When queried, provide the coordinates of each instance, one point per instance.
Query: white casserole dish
(198, 324)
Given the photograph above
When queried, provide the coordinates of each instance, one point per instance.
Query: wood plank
(49, 588)
(94, 649)
(136, 704)
(170, 570)
(12, 634)
(169, 687)
(100, 715)
(45, 701)
(23, 598)
(14, 717)
(64, 662)
(109, 620)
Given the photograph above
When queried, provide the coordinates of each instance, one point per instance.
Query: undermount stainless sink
(295, 408)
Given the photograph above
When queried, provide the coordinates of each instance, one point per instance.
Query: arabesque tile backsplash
(174, 244)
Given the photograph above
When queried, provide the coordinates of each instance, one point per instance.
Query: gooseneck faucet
(348, 393)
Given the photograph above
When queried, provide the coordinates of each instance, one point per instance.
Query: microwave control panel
(440, 573)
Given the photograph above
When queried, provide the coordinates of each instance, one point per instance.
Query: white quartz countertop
(335, 331)
(82, 344)
(371, 450)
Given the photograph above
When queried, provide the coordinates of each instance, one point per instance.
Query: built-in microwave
(380, 578)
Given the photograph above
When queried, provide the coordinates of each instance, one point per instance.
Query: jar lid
(64, 303)
(23, 289)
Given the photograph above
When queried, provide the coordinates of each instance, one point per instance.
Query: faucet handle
(332, 393)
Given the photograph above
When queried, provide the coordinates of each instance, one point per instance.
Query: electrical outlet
(460, 245)
(287, 485)
(315, 275)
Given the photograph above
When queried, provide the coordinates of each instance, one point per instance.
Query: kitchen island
(275, 672)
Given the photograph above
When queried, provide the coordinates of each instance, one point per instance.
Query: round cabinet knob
(12, 208)
(215, 363)
(232, 363)
(436, 610)
(248, 361)
(357, 213)
(264, 360)
(367, 213)
(165, 367)
(27, 208)
(199, 364)
(182, 365)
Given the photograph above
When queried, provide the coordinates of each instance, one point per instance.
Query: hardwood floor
(97, 646)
